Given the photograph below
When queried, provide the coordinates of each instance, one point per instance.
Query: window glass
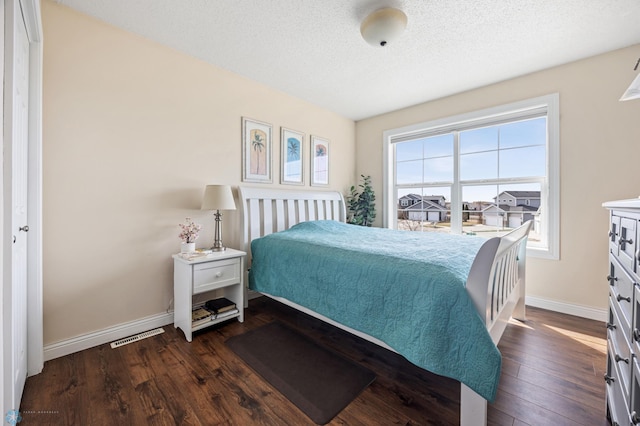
(427, 209)
(524, 133)
(411, 150)
(409, 172)
(481, 165)
(522, 162)
(479, 140)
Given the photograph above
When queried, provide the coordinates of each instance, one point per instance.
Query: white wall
(599, 150)
(132, 133)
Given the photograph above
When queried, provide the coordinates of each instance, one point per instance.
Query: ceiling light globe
(383, 26)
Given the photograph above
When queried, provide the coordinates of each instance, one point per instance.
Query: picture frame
(320, 152)
(256, 151)
(291, 157)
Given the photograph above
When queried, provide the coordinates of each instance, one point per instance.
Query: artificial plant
(361, 203)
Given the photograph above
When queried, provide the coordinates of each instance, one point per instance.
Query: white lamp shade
(633, 92)
(218, 197)
(383, 26)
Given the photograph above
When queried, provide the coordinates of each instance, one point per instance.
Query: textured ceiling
(312, 49)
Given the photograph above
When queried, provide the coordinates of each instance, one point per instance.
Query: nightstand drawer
(213, 275)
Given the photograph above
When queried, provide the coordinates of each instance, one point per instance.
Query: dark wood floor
(552, 375)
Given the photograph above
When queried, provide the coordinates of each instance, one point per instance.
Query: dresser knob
(611, 326)
(611, 279)
(634, 418)
(618, 358)
(219, 274)
(622, 241)
(620, 297)
(609, 379)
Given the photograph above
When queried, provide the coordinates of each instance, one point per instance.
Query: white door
(19, 226)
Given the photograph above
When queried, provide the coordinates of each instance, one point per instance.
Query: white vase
(188, 247)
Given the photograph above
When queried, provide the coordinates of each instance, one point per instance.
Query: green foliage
(361, 204)
(465, 212)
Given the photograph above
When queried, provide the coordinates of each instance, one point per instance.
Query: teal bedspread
(404, 288)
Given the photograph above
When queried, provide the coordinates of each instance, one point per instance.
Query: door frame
(33, 22)
(35, 339)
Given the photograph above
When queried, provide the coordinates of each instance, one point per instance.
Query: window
(482, 173)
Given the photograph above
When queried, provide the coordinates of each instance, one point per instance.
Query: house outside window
(482, 173)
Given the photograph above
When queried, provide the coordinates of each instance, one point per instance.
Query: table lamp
(218, 197)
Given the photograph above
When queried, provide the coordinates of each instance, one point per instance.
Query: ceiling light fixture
(383, 26)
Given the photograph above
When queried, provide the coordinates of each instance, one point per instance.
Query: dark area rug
(317, 380)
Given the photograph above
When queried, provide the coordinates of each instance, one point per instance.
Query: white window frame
(494, 115)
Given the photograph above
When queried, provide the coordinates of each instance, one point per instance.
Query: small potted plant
(188, 234)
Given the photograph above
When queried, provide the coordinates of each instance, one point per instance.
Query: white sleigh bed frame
(496, 282)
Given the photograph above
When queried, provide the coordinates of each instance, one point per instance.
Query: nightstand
(221, 271)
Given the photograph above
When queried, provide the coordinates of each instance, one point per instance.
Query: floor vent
(136, 337)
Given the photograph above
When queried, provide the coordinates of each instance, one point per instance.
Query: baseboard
(96, 338)
(567, 308)
(86, 341)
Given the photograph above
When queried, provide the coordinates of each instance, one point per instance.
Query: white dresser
(623, 327)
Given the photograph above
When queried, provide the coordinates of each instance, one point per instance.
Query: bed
(304, 256)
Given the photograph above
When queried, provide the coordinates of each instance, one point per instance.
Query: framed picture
(292, 155)
(319, 161)
(256, 151)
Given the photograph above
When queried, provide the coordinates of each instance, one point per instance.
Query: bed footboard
(496, 284)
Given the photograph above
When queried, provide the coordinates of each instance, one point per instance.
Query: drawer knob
(620, 297)
(611, 279)
(218, 274)
(634, 418)
(622, 241)
(611, 326)
(636, 334)
(609, 379)
(618, 358)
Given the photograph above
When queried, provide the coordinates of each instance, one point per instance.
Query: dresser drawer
(213, 275)
(620, 351)
(627, 243)
(635, 325)
(616, 400)
(621, 286)
(635, 391)
(614, 234)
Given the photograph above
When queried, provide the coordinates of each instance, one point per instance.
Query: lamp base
(217, 241)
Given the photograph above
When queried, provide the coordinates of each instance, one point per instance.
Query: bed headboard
(267, 210)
